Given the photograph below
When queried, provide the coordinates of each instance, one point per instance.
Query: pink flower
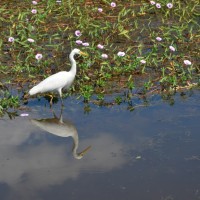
(143, 61)
(152, 2)
(85, 44)
(169, 5)
(79, 42)
(121, 54)
(31, 40)
(78, 33)
(113, 4)
(34, 11)
(158, 5)
(38, 56)
(34, 2)
(105, 56)
(159, 39)
(11, 39)
(187, 62)
(100, 9)
(172, 48)
(100, 46)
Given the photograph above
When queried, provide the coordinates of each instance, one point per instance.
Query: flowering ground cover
(135, 47)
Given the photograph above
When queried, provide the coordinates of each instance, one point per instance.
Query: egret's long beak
(83, 53)
(82, 153)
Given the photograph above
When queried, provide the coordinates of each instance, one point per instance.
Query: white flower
(143, 61)
(100, 46)
(31, 40)
(34, 2)
(169, 5)
(172, 48)
(113, 4)
(79, 42)
(158, 5)
(11, 39)
(187, 62)
(105, 56)
(121, 54)
(78, 33)
(152, 2)
(100, 9)
(38, 56)
(159, 39)
(85, 44)
(34, 11)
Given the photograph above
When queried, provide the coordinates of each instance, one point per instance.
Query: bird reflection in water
(63, 128)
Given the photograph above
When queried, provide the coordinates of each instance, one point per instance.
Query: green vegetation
(135, 46)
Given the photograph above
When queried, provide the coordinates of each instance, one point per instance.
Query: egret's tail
(34, 90)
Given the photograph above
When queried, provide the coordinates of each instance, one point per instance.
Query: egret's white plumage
(54, 82)
(60, 80)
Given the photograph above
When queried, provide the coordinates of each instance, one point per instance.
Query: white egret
(57, 126)
(60, 80)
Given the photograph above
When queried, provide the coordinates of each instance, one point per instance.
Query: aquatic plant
(144, 40)
(8, 102)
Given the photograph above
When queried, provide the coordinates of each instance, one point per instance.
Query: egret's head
(81, 154)
(78, 51)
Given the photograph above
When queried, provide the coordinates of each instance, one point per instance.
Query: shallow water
(150, 153)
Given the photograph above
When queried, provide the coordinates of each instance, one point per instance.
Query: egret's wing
(53, 82)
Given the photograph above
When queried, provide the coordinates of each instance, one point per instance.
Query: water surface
(150, 153)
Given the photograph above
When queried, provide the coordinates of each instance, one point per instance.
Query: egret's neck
(73, 63)
(75, 146)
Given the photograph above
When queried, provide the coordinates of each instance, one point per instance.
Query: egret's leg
(62, 102)
(60, 93)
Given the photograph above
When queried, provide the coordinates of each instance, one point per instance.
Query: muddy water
(150, 153)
